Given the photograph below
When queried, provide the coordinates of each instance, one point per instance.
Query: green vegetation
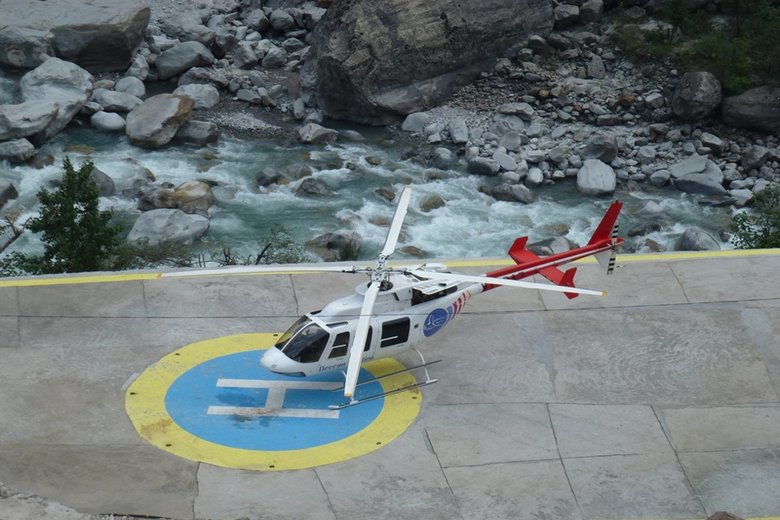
(760, 228)
(740, 48)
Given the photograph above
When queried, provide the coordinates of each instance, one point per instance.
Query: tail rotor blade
(359, 342)
(398, 221)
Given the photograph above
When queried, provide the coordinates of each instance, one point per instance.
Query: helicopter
(400, 307)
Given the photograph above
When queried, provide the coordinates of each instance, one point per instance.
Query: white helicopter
(401, 306)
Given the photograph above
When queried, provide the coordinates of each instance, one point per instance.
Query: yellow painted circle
(145, 405)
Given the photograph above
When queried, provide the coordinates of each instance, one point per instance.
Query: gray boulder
(416, 122)
(131, 85)
(183, 57)
(107, 121)
(512, 193)
(459, 132)
(378, 59)
(602, 147)
(699, 183)
(187, 26)
(26, 119)
(596, 178)
(193, 197)
(105, 183)
(695, 239)
(7, 190)
(198, 132)
(99, 35)
(566, 15)
(330, 245)
(168, 225)
(15, 151)
(112, 101)
(23, 48)
(483, 166)
(591, 11)
(281, 20)
(139, 68)
(754, 157)
(696, 96)
(257, 20)
(312, 186)
(692, 164)
(203, 96)
(755, 109)
(312, 133)
(154, 123)
(61, 82)
(275, 58)
(244, 56)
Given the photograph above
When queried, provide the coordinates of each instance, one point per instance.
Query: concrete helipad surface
(659, 401)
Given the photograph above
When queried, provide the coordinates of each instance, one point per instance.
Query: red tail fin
(604, 231)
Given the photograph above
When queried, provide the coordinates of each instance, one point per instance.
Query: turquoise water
(470, 225)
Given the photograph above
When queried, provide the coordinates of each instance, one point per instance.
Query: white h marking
(275, 400)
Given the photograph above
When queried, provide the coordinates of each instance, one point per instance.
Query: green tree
(761, 228)
(77, 235)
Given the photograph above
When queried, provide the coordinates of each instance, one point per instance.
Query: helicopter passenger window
(307, 345)
(340, 346)
(395, 332)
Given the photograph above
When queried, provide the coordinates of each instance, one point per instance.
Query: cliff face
(379, 59)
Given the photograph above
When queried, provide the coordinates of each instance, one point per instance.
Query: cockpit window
(298, 325)
(305, 344)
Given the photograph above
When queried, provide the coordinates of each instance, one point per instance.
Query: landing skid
(423, 365)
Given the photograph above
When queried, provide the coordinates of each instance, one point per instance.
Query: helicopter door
(340, 346)
(395, 332)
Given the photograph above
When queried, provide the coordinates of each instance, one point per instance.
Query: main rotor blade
(503, 281)
(359, 342)
(251, 269)
(398, 221)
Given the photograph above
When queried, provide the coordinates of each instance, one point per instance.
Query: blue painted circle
(188, 400)
(437, 319)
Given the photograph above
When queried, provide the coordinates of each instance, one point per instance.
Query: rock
(646, 154)
(416, 122)
(700, 183)
(281, 20)
(512, 193)
(268, 177)
(444, 158)
(257, 20)
(168, 225)
(566, 15)
(591, 11)
(23, 48)
(104, 183)
(16, 151)
(522, 110)
(754, 157)
(723, 515)
(107, 122)
(139, 68)
(713, 142)
(754, 109)
(198, 132)
(552, 246)
(696, 96)
(513, 141)
(131, 85)
(459, 132)
(7, 190)
(692, 164)
(534, 178)
(378, 59)
(696, 239)
(601, 147)
(154, 123)
(181, 58)
(203, 96)
(483, 166)
(505, 161)
(155, 197)
(193, 197)
(187, 26)
(504, 124)
(60, 82)
(430, 203)
(99, 35)
(244, 56)
(330, 246)
(651, 211)
(312, 133)
(26, 119)
(275, 58)
(115, 101)
(596, 178)
(596, 69)
(312, 186)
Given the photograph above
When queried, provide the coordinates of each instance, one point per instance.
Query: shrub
(761, 227)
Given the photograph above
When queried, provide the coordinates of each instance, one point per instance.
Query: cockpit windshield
(304, 341)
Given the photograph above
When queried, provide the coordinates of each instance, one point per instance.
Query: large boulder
(696, 96)
(755, 109)
(23, 48)
(596, 178)
(61, 82)
(204, 96)
(16, 151)
(112, 101)
(183, 57)
(7, 191)
(380, 59)
(168, 225)
(312, 133)
(26, 119)
(153, 123)
(107, 121)
(696, 239)
(99, 35)
(193, 197)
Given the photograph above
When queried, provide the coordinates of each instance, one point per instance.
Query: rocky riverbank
(525, 94)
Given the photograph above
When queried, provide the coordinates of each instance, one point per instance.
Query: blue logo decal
(437, 319)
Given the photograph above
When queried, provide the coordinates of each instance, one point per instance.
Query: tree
(761, 228)
(77, 235)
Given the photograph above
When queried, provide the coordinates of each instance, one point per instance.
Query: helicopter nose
(275, 361)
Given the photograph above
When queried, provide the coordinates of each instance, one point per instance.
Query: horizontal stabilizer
(519, 253)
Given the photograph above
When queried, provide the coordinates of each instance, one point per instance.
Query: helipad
(659, 401)
(211, 401)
